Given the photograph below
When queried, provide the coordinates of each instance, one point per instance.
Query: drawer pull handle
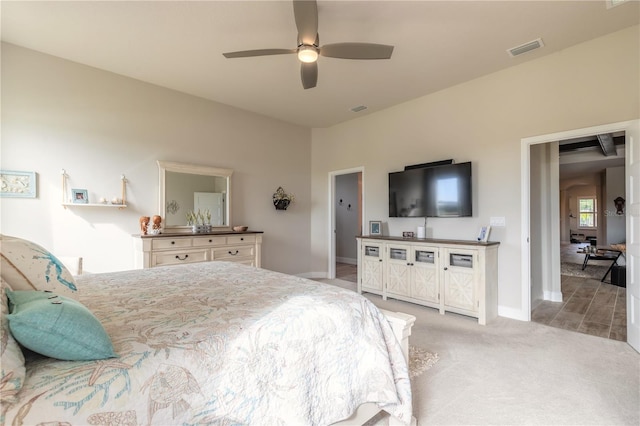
(183, 258)
(241, 238)
(173, 242)
(210, 241)
(233, 254)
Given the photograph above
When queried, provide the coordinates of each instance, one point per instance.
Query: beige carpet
(518, 373)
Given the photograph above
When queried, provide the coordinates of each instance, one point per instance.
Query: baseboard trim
(347, 260)
(553, 296)
(312, 275)
(516, 314)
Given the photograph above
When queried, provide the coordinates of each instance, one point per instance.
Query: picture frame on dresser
(375, 227)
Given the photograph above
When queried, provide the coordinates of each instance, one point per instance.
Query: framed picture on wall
(80, 196)
(375, 227)
(18, 184)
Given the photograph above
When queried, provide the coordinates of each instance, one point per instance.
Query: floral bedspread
(221, 343)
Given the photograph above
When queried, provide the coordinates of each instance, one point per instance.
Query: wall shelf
(66, 200)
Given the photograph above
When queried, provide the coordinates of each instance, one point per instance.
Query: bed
(217, 343)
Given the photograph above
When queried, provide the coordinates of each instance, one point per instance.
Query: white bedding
(221, 343)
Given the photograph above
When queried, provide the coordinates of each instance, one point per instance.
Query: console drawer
(169, 243)
(179, 257)
(233, 253)
(241, 239)
(209, 241)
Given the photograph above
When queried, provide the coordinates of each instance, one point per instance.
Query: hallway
(589, 306)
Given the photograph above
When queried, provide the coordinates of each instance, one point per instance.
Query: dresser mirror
(188, 188)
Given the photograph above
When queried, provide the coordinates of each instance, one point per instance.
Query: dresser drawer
(179, 257)
(209, 241)
(233, 253)
(241, 239)
(169, 243)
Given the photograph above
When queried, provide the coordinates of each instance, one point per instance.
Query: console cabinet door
(398, 274)
(460, 282)
(425, 271)
(372, 262)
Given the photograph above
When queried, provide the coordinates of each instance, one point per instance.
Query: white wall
(482, 121)
(97, 125)
(614, 187)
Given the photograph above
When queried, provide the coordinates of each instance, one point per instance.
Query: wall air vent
(524, 48)
(358, 108)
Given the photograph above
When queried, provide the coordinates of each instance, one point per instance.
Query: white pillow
(12, 363)
(27, 266)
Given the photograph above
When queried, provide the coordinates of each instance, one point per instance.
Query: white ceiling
(179, 45)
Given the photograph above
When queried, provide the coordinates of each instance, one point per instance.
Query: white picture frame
(375, 227)
(483, 235)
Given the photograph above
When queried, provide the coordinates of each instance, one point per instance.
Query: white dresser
(176, 249)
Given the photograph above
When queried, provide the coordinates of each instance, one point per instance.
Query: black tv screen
(438, 191)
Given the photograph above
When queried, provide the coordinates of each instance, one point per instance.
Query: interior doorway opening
(346, 202)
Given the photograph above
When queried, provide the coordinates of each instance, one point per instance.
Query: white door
(212, 201)
(633, 233)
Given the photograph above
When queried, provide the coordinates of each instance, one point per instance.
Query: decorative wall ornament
(619, 202)
(281, 199)
(18, 184)
(173, 207)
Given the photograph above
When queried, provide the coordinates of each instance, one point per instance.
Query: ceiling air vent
(358, 108)
(524, 48)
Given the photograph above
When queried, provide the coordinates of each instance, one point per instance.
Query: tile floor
(589, 306)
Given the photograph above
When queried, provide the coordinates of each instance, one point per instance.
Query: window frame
(591, 212)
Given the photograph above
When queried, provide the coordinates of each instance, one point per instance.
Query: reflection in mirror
(188, 188)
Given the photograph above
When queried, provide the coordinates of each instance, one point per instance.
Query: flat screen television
(437, 191)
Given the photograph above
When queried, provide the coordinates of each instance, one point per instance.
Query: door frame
(525, 154)
(331, 270)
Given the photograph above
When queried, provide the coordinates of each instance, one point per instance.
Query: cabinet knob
(173, 242)
(210, 241)
(445, 268)
(241, 238)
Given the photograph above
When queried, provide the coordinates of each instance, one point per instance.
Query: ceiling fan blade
(258, 52)
(309, 74)
(356, 51)
(306, 15)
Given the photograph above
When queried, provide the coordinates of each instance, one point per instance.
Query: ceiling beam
(607, 144)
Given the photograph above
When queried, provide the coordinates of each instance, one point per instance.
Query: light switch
(498, 221)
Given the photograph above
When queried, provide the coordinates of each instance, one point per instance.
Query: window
(588, 212)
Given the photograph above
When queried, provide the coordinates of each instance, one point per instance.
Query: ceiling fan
(306, 16)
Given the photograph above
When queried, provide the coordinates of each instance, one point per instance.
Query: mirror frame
(169, 166)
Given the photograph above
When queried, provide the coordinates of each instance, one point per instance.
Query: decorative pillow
(12, 365)
(27, 266)
(57, 327)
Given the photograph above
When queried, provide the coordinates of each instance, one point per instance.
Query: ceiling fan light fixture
(307, 54)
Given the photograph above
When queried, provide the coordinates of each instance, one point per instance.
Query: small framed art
(18, 184)
(79, 196)
(375, 227)
(483, 235)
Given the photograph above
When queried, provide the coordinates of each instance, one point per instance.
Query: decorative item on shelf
(156, 228)
(18, 184)
(483, 235)
(375, 227)
(240, 228)
(80, 196)
(199, 222)
(144, 224)
(281, 199)
(408, 234)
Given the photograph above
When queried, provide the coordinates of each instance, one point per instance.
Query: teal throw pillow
(57, 327)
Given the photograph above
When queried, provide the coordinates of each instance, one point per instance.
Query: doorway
(536, 257)
(346, 223)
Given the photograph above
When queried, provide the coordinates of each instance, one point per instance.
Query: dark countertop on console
(429, 240)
